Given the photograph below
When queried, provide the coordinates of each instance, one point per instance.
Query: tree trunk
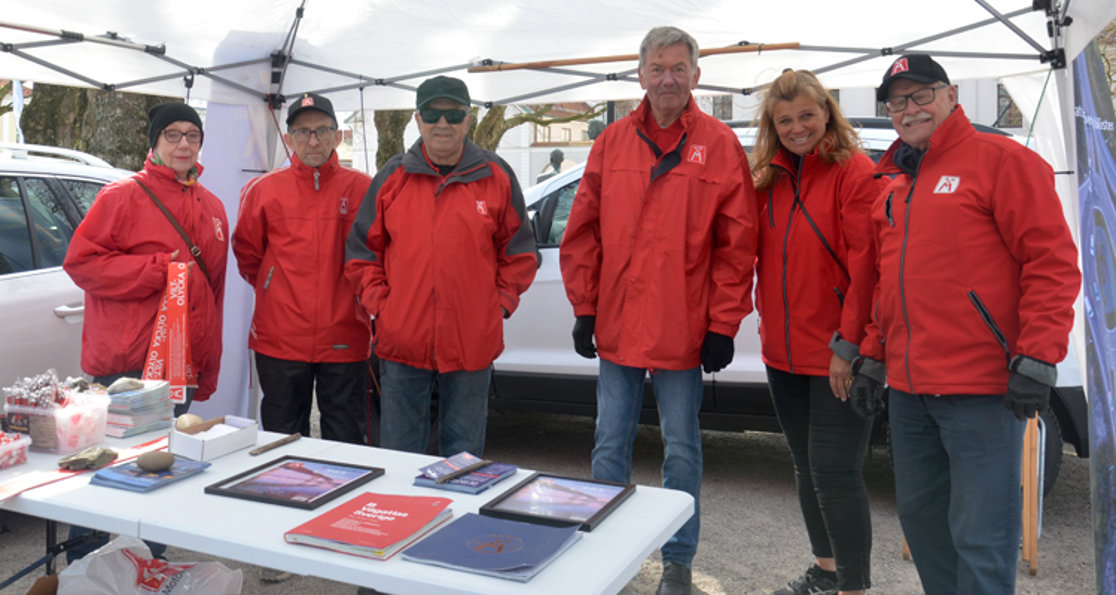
(491, 128)
(390, 125)
(110, 125)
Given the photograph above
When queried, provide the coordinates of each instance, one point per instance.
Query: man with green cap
(439, 254)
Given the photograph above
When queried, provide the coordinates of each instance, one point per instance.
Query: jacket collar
(415, 161)
(165, 174)
(643, 113)
(326, 169)
(955, 129)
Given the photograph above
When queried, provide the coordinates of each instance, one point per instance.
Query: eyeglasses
(431, 115)
(175, 136)
(303, 134)
(925, 96)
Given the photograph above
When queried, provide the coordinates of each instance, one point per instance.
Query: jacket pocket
(990, 322)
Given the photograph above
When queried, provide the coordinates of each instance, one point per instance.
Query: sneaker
(675, 581)
(272, 575)
(815, 582)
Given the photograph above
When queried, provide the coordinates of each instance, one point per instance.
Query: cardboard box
(188, 444)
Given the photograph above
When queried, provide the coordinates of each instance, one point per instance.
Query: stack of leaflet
(142, 410)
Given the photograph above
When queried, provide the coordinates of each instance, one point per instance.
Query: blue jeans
(619, 402)
(405, 408)
(957, 475)
(827, 443)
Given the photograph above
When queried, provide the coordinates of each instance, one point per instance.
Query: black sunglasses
(431, 115)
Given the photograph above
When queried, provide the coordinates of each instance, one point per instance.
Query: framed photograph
(295, 481)
(561, 501)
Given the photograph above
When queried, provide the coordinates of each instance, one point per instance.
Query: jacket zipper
(786, 299)
(902, 268)
(267, 281)
(317, 173)
(990, 323)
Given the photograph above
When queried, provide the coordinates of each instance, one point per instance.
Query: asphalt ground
(753, 539)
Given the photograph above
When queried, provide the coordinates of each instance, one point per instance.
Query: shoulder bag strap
(194, 250)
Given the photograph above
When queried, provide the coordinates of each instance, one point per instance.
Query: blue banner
(1096, 175)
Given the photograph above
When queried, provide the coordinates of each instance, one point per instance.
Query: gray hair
(661, 37)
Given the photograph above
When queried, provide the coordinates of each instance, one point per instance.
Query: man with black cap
(120, 254)
(439, 254)
(977, 279)
(289, 243)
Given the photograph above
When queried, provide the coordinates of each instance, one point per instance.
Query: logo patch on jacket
(899, 65)
(697, 154)
(947, 185)
(482, 207)
(343, 205)
(217, 231)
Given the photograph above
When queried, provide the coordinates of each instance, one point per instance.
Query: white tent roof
(400, 42)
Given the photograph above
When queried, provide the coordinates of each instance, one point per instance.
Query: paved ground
(752, 537)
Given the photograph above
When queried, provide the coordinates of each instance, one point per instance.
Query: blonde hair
(839, 143)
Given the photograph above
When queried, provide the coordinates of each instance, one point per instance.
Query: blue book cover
(459, 463)
(473, 482)
(495, 547)
(128, 476)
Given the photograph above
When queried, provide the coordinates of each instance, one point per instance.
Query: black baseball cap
(920, 68)
(310, 101)
(442, 87)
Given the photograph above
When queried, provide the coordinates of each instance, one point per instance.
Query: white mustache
(914, 118)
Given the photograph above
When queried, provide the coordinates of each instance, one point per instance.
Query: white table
(182, 515)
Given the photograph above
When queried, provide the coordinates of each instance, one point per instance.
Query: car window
(51, 230)
(15, 241)
(82, 190)
(563, 203)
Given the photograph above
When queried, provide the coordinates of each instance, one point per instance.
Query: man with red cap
(308, 332)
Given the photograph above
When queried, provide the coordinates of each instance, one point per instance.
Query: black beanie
(165, 114)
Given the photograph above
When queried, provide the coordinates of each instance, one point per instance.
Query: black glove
(583, 336)
(866, 395)
(1028, 391)
(716, 352)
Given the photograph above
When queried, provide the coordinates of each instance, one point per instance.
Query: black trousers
(827, 443)
(289, 387)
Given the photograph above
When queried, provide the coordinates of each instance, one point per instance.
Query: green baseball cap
(442, 87)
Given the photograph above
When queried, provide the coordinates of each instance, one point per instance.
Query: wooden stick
(275, 444)
(732, 49)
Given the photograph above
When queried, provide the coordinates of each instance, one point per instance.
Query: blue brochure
(492, 546)
(128, 476)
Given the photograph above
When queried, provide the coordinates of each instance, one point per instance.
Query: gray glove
(866, 395)
(1028, 391)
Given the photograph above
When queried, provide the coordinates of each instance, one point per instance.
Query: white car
(540, 371)
(44, 193)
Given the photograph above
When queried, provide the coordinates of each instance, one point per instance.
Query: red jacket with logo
(119, 256)
(660, 247)
(816, 264)
(976, 264)
(434, 258)
(289, 245)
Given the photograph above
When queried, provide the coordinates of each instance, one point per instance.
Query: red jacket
(289, 245)
(119, 256)
(661, 249)
(804, 292)
(976, 264)
(434, 258)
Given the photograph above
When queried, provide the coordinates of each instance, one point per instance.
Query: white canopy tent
(244, 56)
